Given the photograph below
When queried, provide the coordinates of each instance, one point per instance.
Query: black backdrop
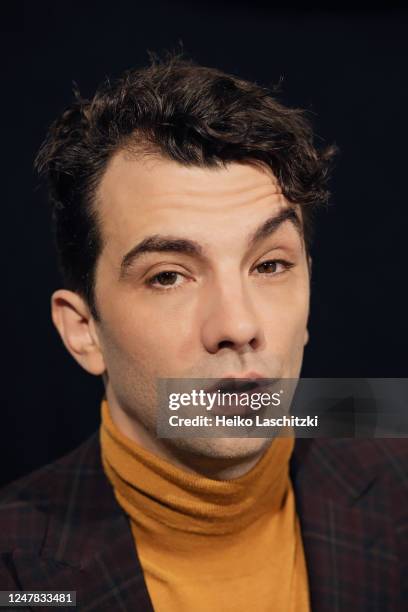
(347, 66)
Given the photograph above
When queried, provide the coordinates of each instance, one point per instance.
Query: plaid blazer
(62, 529)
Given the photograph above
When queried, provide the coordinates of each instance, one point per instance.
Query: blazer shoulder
(390, 460)
(26, 503)
(351, 466)
(393, 469)
(376, 455)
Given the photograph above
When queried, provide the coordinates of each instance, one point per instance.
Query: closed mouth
(236, 385)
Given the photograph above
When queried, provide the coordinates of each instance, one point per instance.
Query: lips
(237, 384)
(230, 385)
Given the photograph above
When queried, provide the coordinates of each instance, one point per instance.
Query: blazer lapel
(88, 545)
(109, 580)
(347, 533)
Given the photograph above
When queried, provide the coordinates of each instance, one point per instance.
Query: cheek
(287, 321)
(145, 338)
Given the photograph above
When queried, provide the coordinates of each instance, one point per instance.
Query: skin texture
(220, 314)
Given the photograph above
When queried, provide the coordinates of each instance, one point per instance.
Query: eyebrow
(161, 244)
(270, 226)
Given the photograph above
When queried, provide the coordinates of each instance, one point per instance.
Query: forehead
(138, 196)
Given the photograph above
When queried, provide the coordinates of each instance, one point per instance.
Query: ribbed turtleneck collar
(145, 484)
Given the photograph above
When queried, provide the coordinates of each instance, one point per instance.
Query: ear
(306, 338)
(74, 322)
(309, 261)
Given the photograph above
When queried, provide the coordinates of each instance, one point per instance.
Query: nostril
(255, 343)
(225, 344)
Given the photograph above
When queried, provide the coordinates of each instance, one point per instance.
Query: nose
(231, 321)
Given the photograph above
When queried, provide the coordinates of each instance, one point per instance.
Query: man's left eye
(274, 266)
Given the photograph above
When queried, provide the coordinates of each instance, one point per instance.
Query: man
(183, 199)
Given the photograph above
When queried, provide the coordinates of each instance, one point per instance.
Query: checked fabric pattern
(62, 529)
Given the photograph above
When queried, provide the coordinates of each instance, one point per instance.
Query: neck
(217, 468)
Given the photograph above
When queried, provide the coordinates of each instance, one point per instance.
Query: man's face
(207, 295)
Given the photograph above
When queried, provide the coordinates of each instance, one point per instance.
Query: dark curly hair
(184, 112)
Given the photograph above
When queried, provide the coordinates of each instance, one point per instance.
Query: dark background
(347, 65)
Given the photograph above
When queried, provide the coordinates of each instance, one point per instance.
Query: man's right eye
(164, 279)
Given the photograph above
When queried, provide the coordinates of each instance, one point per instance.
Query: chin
(221, 448)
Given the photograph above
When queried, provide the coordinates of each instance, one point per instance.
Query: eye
(165, 280)
(273, 267)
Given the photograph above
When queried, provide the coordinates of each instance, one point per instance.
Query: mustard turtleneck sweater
(207, 545)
